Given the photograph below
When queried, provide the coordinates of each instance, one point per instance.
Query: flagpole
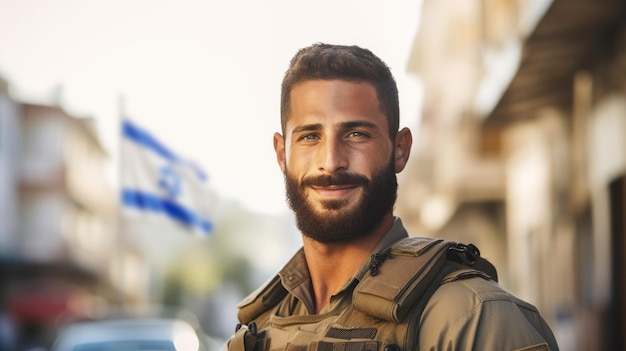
(121, 242)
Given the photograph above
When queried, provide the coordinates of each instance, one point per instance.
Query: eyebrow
(307, 128)
(354, 124)
(343, 125)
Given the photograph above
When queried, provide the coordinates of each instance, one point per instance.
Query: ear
(279, 148)
(404, 140)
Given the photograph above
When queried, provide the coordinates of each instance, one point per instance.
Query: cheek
(374, 159)
(298, 167)
(298, 159)
(295, 164)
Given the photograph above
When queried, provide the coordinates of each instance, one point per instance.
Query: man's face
(338, 160)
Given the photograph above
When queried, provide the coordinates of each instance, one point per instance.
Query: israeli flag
(156, 180)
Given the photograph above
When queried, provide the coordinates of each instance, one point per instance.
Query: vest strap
(245, 338)
(401, 276)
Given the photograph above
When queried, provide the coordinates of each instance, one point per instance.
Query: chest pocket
(320, 333)
(312, 333)
(346, 346)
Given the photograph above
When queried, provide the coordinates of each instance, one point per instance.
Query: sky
(202, 76)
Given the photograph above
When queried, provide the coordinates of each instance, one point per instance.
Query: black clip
(466, 254)
(251, 327)
(378, 259)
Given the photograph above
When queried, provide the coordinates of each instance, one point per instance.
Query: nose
(332, 156)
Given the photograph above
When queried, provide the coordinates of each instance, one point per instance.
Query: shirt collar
(295, 275)
(396, 233)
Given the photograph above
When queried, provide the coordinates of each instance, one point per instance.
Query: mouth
(336, 187)
(334, 191)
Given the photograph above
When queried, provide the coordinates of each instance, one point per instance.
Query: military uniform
(394, 302)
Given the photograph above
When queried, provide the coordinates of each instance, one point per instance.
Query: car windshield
(128, 345)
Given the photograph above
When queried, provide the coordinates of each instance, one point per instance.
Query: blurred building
(68, 252)
(522, 151)
(57, 237)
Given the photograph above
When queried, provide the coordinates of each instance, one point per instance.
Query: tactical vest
(386, 308)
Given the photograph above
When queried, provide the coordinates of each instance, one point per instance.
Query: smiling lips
(334, 191)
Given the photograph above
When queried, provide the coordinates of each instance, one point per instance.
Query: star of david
(170, 182)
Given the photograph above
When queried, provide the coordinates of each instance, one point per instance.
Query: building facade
(58, 241)
(522, 150)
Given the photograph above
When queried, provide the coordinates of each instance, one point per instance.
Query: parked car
(145, 334)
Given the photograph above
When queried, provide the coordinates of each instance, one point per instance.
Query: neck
(331, 265)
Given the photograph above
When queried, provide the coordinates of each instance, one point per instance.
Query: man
(359, 283)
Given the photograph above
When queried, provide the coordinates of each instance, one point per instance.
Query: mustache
(338, 179)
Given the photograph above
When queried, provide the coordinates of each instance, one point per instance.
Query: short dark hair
(350, 63)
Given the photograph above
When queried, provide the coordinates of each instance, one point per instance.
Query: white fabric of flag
(156, 180)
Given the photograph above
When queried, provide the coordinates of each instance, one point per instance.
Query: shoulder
(473, 312)
(466, 292)
(461, 300)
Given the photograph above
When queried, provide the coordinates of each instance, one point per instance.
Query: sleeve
(476, 314)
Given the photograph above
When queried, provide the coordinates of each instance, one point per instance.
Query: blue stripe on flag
(150, 202)
(143, 138)
(132, 132)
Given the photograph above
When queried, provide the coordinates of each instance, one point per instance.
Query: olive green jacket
(467, 311)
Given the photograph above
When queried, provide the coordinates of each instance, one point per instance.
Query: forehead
(334, 101)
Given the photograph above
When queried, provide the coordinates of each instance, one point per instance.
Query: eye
(357, 134)
(308, 137)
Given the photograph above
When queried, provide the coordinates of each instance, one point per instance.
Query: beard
(340, 223)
